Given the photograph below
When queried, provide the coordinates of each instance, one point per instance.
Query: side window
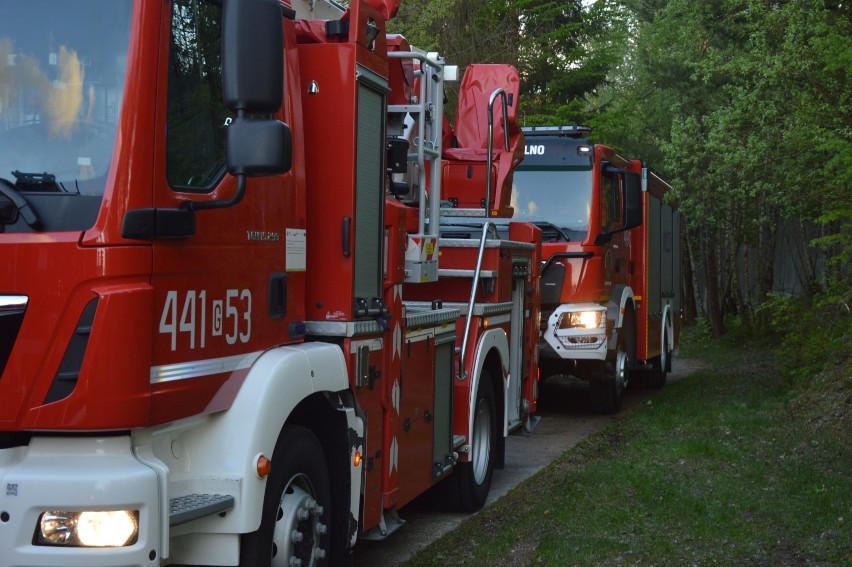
(197, 117)
(610, 202)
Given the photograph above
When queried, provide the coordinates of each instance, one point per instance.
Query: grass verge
(736, 464)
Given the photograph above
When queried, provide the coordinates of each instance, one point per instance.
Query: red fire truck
(610, 284)
(230, 329)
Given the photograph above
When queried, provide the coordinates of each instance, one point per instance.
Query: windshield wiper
(544, 225)
(7, 188)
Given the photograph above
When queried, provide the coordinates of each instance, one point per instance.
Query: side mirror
(259, 147)
(632, 200)
(253, 83)
(252, 56)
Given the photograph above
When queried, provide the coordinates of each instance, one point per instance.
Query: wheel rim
(481, 441)
(298, 526)
(664, 354)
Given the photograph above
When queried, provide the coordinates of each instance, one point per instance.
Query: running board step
(193, 506)
(389, 522)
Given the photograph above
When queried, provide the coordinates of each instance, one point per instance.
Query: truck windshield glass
(559, 197)
(62, 69)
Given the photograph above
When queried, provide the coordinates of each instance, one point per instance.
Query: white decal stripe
(196, 368)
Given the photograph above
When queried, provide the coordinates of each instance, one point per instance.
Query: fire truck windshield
(62, 69)
(557, 197)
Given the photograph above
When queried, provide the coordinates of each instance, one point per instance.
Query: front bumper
(80, 473)
(575, 342)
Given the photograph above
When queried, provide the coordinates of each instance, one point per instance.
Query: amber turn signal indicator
(264, 466)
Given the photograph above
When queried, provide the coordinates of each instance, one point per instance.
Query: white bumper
(75, 474)
(576, 343)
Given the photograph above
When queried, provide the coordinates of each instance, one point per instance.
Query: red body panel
(111, 394)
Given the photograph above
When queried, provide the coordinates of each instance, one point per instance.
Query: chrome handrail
(486, 225)
(502, 94)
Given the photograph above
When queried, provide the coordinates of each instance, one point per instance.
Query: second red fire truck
(610, 284)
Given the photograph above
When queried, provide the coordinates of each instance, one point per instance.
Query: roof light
(573, 131)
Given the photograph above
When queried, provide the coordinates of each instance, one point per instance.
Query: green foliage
(745, 106)
(812, 337)
(563, 50)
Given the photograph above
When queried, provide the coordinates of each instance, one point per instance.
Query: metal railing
(485, 226)
(502, 94)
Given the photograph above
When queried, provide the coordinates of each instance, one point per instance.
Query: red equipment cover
(471, 137)
(387, 8)
(471, 130)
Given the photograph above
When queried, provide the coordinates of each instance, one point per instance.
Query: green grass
(736, 465)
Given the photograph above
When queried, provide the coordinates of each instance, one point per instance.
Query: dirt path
(565, 421)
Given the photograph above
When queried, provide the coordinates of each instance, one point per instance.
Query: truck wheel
(656, 377)
(606, 389)
(471, 481)
(296, 507)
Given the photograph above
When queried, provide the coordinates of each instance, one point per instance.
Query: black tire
(605, 394)
(470, 483)
(656, 377)
(627, 345)
(608, 386)
(296, 506)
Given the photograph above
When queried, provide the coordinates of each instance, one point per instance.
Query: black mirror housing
(259, 147)
(252, 56)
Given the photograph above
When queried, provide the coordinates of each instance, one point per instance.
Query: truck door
(221, 293)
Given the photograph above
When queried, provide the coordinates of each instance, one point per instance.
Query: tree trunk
(688, 286)
(711, 278)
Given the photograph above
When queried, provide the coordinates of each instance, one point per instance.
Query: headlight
(117, 528)
(581, 319)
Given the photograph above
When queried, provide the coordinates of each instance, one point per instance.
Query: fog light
(56, 528)
(116, 528)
